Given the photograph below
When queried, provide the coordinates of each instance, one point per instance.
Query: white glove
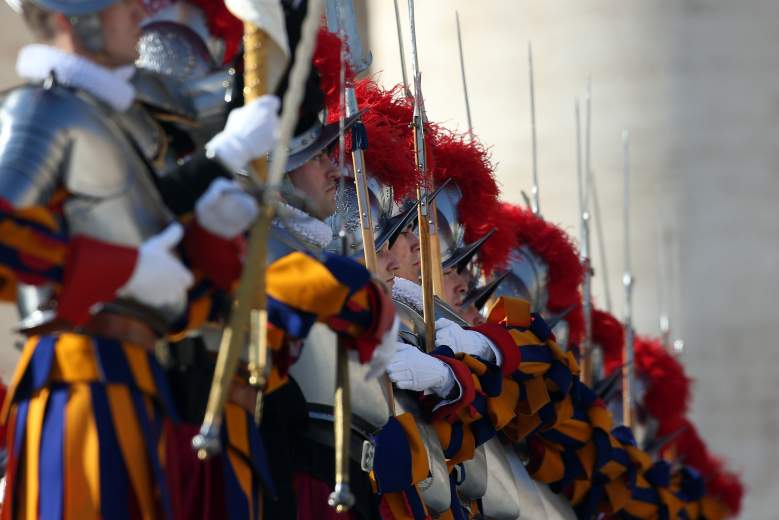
(225, 209)
(384, 353)
(249, 133)
(159, 278)
(412, 369)
(466, 341)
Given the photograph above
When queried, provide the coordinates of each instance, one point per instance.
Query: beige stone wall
(695, 82)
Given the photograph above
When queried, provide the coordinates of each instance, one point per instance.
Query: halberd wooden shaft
(207, 441)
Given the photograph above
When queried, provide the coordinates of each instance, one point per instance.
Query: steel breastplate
(95, 154)
(316, 364)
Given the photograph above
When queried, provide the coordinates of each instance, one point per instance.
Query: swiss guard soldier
(95, 266)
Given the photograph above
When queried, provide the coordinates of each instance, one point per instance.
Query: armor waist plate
(500, 501)
(315, 373)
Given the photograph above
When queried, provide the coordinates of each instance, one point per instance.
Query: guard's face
(406, 250)
(455, 287)
(386, 265)
(318, 181)
(471, 315)
(121, 24)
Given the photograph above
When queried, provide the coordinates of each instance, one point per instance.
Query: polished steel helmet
(527, 277)
(388, 223)
(455, 252)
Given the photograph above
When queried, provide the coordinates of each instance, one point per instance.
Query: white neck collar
(36, 62)
(300, 223)
(408, 292)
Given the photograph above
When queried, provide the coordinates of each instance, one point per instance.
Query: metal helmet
(184, 14)
(387, 223)
(526, 277)
(174, 49)
(455, 252)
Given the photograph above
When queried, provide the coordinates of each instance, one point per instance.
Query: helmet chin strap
(89, 31)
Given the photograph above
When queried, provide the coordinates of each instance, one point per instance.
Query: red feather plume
(668, 392)
(721, 483)
(467, 162)
(728, 488)
(555, 247)
(327, 60)
(222, 24)
(390, 153)
(609, 333)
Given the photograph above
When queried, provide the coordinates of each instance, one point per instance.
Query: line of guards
(123, 212)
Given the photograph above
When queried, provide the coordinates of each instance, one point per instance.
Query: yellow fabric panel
(7, 285)
(74, 356)
(466, 451)
(536, 396)
(475, 366)
(82, 457)
(39, 215)
(600, 418)
(587, 455)
(524, 338)
(138, 359)
(612, 469)
(576, 429)
(641, 510)
(673, 504)
(132, 446)
(32, 444)
(361, 299)
(564, 410)
(551, 468)
(511, 311)
(21, 368)
(521, 426)
(238, 437)
(693, 509)
(618, 494)
(420, 467)
(639, 457)
(501, 408)
(22, 238)
(580, 489)
(443, 430)
(305, 284)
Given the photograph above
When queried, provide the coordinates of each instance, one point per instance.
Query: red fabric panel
(94, 271)
(505, 343)
(219, 259)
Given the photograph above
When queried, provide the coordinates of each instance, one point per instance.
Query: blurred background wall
(695, 82)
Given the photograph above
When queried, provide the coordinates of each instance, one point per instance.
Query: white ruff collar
(408, 292)
(36, 62)
(303, 225)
